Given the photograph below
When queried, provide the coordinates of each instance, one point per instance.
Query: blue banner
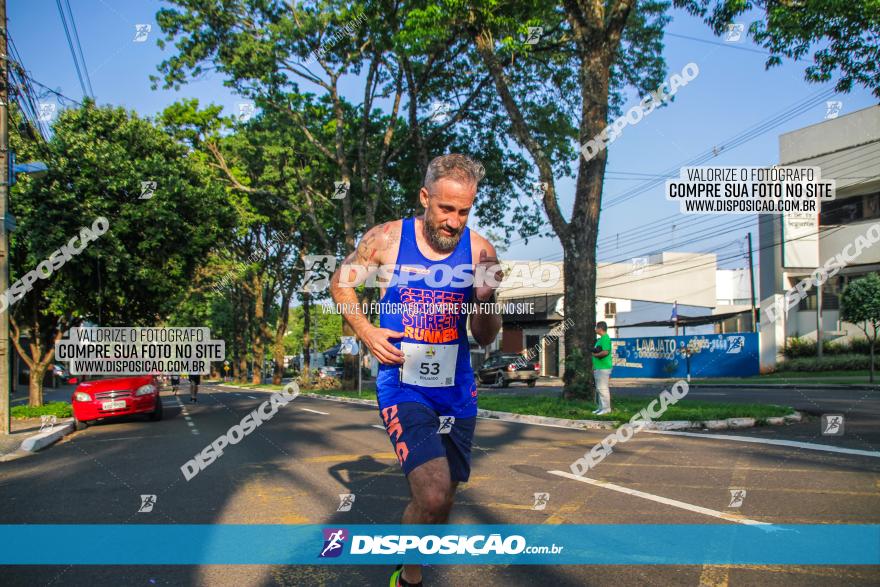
(599, 544)
(701, 355)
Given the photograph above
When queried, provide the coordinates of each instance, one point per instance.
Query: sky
(732, 93)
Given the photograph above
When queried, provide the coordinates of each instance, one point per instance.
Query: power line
(27, 96)
(716, 261)
(685, 223)
(79, 48)
(715, 248)
(56, 93)
(737, 140)
(717, 43)
(729, 144)
(73, 53)
(840, 166)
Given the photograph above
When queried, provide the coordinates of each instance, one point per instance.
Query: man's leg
(432, 492)
(602, 377)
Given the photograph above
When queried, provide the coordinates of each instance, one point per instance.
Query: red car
(121, 396)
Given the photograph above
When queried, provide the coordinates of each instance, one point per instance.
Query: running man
(426, 388)
(194, 380)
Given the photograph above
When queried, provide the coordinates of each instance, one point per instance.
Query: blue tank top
(437, 370)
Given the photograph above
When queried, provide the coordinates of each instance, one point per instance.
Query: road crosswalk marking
(664, 500)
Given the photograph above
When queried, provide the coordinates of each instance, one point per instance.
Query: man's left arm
(605, 345)
(485, 321)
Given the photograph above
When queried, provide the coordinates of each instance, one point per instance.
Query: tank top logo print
(431, 315)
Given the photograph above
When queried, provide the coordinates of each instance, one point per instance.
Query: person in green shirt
(602, 363)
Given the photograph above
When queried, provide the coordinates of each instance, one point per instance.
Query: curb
(771, 386)
(547, 420)
(728, 424)
(46, 438)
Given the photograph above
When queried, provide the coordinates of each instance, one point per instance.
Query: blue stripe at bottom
(617, 544)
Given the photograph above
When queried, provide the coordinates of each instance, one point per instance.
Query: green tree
(138, 271)
(842, 34)
(550, 97)
(860, 305)
(567, 87)
(326, 328)
(266, 49)
(279, 188)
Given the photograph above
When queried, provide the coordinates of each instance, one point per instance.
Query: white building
(643, 290)
(847, 149)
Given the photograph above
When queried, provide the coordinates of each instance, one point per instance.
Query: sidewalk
(21, 429)
(751, 383)
(60, 394)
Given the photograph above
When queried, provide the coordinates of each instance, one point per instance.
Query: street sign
(35, 168)
(349, 345)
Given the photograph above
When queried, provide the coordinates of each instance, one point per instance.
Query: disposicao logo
(333, 542)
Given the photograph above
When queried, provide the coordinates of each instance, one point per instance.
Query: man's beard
(437, 237)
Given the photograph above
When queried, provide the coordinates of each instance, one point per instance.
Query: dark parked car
(62, 373)
(329, 371)
(503, 369)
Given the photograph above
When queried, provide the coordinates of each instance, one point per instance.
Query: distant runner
(426, 388)
(194, 380)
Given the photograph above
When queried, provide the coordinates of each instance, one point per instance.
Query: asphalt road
(292, 469)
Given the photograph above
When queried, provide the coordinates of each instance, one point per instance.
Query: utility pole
(752, 286)
(819, 320)
(5, 384)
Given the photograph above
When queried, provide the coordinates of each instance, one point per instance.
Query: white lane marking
(791, 443)
(252, 397)
(314, 411)
(189, 422)
(664, 500)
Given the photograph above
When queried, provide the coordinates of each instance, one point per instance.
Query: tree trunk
(279, 364)
(871, 373)
(307, 335)
(241, 325)
(281, 329)
(259, 340)
(35, 385)
(580, 308)
(278, 345)
(579, 241)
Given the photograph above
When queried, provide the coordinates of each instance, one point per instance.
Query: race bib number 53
(428, 365)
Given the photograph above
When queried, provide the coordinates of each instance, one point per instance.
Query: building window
(851, 209)
(830, 301)
(610, 309)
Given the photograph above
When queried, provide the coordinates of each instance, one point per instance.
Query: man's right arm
(361, 262)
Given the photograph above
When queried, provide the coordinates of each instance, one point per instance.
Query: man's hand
(376, 340)
(488, 263)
